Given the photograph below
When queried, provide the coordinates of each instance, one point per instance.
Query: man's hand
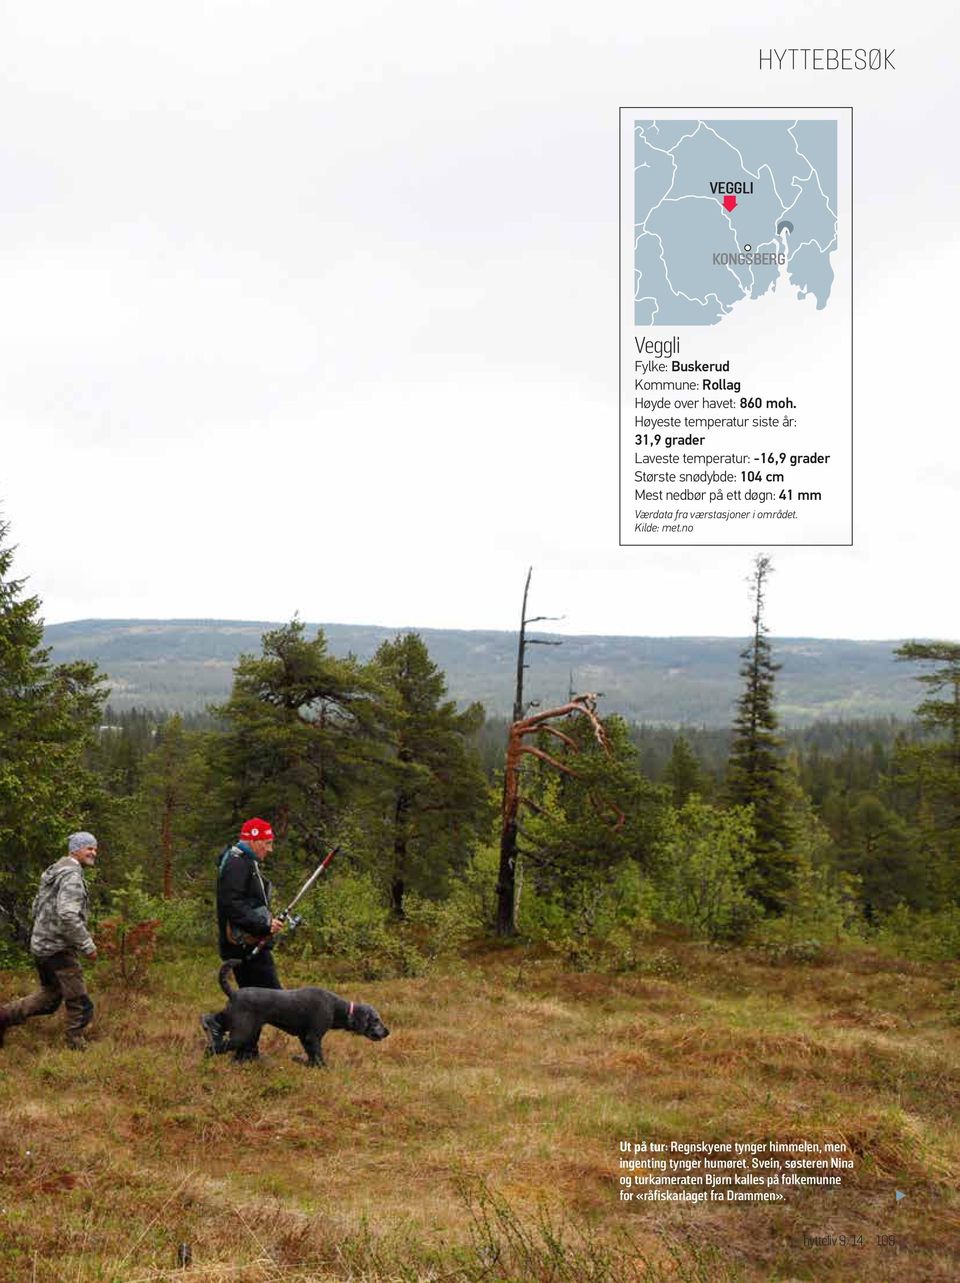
(275, 926)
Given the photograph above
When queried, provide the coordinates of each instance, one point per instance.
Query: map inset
(724, 207)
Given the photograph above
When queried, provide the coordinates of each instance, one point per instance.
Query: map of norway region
(727, 210)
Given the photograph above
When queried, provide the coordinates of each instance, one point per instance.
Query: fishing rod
(287, 916)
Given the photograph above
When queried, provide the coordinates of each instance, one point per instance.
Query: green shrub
(12, 955)
(599, 926)
(702, 862)
(920, 935)
(127, 937)
(440, 927)
(351, 921)
(821, 909)
(186, 920)
(474, 893)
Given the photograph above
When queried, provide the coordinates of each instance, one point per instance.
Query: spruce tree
(755, 770)
(683, 775)
(435, 802)
(938, 714)
(49, 714)
(931, 768)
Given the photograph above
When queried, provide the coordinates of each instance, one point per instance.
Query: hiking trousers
(259, 972)
(61, 981)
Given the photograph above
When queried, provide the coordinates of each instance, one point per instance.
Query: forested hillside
(187, 664)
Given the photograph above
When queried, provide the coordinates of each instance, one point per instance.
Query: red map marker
(729, 203)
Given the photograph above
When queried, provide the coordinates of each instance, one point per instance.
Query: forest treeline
(186, 665)
(791, 842)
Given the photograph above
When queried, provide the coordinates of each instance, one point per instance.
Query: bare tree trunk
(507, 873)
(507, 881)
(521, 653)
(166, 842)
(397, 888)
(508, 892)
(398, 883)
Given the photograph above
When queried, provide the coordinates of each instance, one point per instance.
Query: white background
(313, 307)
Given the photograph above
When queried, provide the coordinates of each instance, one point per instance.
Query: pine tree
(49, 714)
(302, 730)
(435, 802)
(586, 809)
(755, 770)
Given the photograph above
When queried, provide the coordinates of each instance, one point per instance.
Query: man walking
(244, 916)
(59, 936)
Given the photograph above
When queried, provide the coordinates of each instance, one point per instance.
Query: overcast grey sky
(314, 308)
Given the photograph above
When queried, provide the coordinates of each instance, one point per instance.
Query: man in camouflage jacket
(59, 937)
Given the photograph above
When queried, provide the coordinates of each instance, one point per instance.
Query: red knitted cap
(256, 830)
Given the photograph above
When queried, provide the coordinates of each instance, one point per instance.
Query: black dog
(307, 1013)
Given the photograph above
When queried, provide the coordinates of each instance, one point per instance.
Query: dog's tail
(225, 971)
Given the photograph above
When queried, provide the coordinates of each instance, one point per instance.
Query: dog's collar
(349, 1015)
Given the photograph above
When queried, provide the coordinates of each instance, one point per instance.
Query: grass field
(481, 1140)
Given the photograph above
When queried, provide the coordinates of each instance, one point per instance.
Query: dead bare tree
(513, 799)
(509, 870)
(523, 642)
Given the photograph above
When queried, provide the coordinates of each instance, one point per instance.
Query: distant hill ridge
(185, 664)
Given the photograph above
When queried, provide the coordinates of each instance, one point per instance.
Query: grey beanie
(77, 841)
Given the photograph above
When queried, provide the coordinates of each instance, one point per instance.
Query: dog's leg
(244, 1036)
(311, 1045)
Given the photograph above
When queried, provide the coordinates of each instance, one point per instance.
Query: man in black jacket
(244, 916)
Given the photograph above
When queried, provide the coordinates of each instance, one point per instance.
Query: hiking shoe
(216, 1034)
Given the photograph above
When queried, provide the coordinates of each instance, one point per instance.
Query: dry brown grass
(508, 1073)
